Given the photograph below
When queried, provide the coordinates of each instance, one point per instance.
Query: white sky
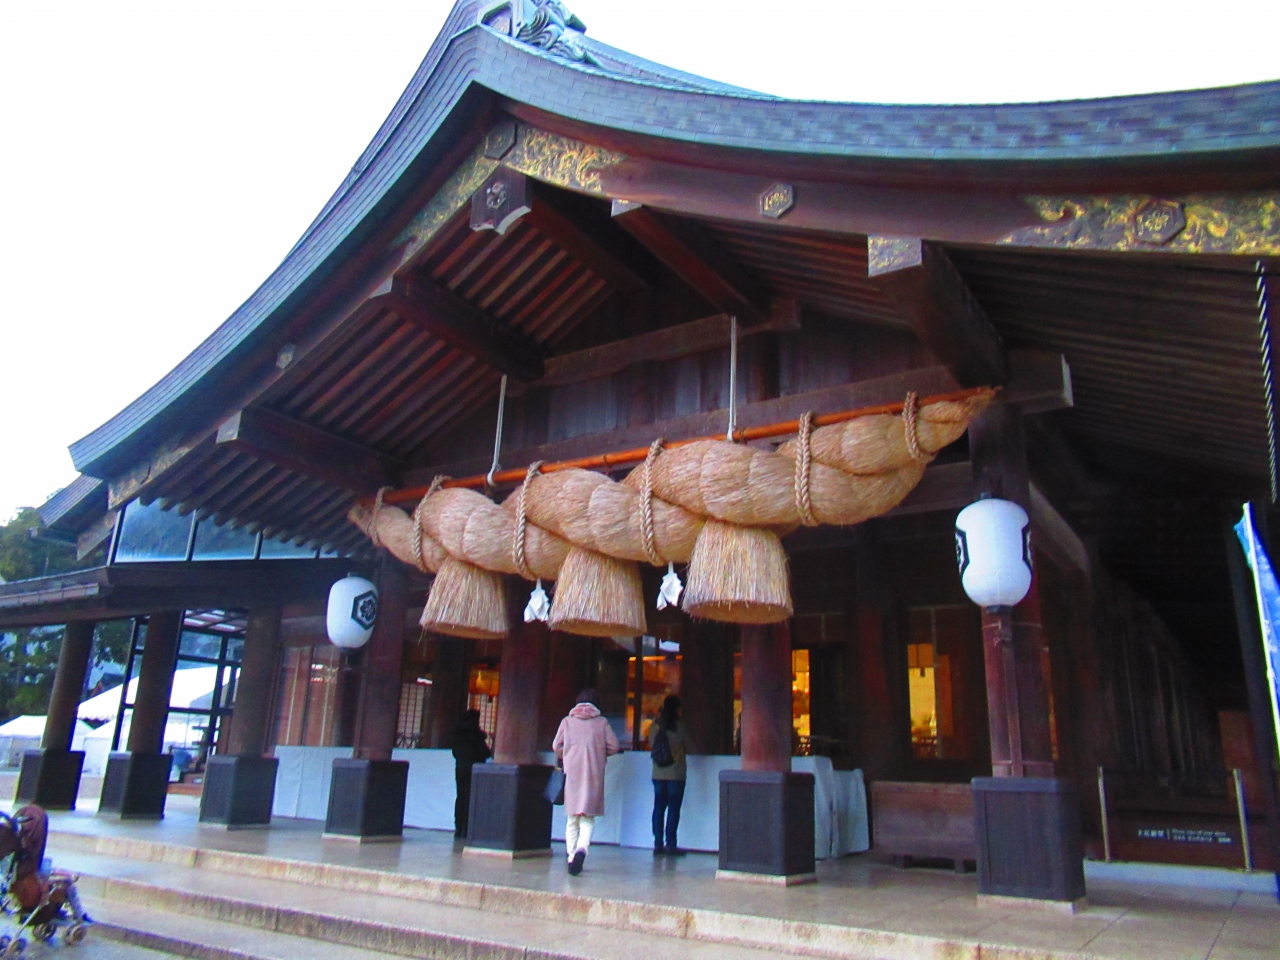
(158, 159)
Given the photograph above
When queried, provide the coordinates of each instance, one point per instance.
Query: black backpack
(660, 752)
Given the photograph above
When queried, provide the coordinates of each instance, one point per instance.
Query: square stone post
(766, 811)
(136, 784)
(367, 792)
(50, 776)
(240, 784)
(1026, 820)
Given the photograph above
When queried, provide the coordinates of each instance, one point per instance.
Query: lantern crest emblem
(364, 609)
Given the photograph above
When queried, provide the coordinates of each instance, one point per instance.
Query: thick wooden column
(136, 783)
(510, 815)
(68, 685)
(378, 712)
(706, 685)
(766, 697)
(240, 783)
(367, 792)
(450, 677)
(766, 811)
(1018, 703)
(255, 687)
(522, 678)
(50, 776)
(569, 663)
(1027, 823)
(155, 682)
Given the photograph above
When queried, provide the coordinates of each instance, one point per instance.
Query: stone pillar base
(1029, 839)
(136, 785)
(766, 826)
(366, 800)
(50, 778)
(510, 813)
(238, 791)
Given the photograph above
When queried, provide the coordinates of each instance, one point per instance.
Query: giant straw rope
(718, 506)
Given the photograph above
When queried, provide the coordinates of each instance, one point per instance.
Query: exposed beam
(95, 533)
(163, 461)
(670, 343)
(1036, 385)
(922, 283)
(1055, 536)
(697, 261)
(447, 316)
(275, 438)
(594, 244)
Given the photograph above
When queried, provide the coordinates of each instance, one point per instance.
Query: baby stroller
(34, 899)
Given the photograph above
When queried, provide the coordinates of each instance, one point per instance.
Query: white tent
(192, 689)
(24, 733)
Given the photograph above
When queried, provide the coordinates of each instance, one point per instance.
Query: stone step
(519, 904)
(202, 914)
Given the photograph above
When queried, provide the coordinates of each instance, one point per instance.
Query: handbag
(554, 791)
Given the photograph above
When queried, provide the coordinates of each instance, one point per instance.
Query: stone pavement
(423, 897)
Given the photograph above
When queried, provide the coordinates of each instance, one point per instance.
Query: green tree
(29, 655)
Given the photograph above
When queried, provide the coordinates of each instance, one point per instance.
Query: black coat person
(469, 748)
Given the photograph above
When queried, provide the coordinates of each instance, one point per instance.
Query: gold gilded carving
(559, 160)
(777, 200)
(448, 200)
(1246, 223)
(888, 254)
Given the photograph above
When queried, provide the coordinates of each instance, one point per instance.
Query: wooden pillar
(706, 685)
(378, 711)
(1026, 822)
(367, 792)
(1018, 702)
(510, 815)
(240, 783)
(766, 697)
(522, 677)
(569, 669)
(136, 783)
(450, 678)
(766, 811)
(155, 682)
(68, 685)
(50, 776)
(255, 687)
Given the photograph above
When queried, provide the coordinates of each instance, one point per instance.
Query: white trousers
(577, 833)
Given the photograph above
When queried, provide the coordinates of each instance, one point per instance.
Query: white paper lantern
(993, 549)
(353, 610)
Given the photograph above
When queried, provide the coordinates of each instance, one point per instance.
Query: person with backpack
(583, 743)
(670, 744)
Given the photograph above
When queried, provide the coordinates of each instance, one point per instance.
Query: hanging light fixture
(993, 550)
(352, 612)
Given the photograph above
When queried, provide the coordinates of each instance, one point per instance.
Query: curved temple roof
(634, 97)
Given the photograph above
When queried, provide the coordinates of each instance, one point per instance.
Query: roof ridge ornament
(545, 24)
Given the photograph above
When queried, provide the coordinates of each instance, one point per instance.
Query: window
(801, 729)
(415, 696)
(482, 695)
(313, 682)
(215, 542)
(941, 648)
(149, 533)
(659, 680)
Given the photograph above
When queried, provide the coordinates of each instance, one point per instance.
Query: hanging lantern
(353, 610)
(993, 549)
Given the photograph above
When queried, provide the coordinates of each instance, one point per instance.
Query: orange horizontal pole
(637, 454)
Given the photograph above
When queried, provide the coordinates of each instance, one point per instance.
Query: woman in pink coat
(582, 744)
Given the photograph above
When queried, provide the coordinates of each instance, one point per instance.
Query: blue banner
(1267, 592)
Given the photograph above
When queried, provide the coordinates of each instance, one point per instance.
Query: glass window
(482, 695)
(415, 697)
(149, 533)
(801, 727)
(199, 645)
(660, 679)
(273, 549)
(941, 649)
(215, 542)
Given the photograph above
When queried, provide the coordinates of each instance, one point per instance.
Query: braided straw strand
(646, 504)
(436, 483)
(373, 524)
(804, 461)
(910, 428)
(522, 523)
